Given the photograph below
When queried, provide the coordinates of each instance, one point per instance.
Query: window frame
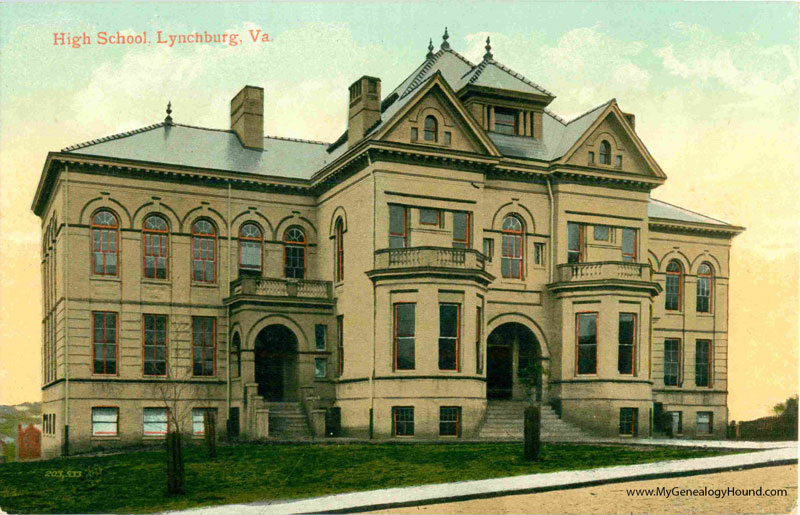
(149, 234)
(155, 345)
(518, 237)
(202, 409)
(456, 339)
(153, 434)
(601, 227)
(428, 211)
(632, 345)
(709, 362)
(198, 238)
(605, 153)
(97, 227)
(708, 278)
(630, 257)
(204, 348)
(710, 422)
(634, 421)
(433, 131)
(581, 228)
(253, 240)
(338, 231)
(302, 246)
(396, 338)
(320, 330)
(324, 362)
(340, 342)
(679, 294)
(236, 351)
(578, 316)
(404, 234)
(465, 243)
(678, 362)
(478, 337)
(395, 414)
(505, 111)
(104, 434)
(105, 344)
(455, 423)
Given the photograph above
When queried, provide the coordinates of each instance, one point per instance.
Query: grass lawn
(136, 481)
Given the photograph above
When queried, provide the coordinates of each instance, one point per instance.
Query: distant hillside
(25, 413)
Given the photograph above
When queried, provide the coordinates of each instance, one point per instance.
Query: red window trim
(395, 410)
(710, 277)
(635, 254)
(116, 347)
(709, 364)
(518, 236)
(581, 240)
(339, 233)
(404, 234)
(204, 408)
(95, 227)
(679, 273)
(159, 433)
(214, 347)
(213, 238)
(145, 255)
(104, 433)
(578, 339)
(680, 360)
(635, 343)
(458, 335)
(457, 421)
(258, 240)
(438, 212)
(303, 245)
(166, 345)
(466, 241)
(394, 331)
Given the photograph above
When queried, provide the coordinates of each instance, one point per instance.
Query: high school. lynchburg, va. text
(160, 38)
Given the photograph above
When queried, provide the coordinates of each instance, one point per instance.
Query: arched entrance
(512, 349)
(276, 363)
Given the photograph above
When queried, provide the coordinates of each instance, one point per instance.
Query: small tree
(531, 379)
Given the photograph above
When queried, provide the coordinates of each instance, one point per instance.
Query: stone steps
(287, 421)
(505, 420)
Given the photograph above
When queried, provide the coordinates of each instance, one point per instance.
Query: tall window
(587, 343)
(575, 239)
(156, 247)
(629, 244)
(605, 153)
(403, 421)
(105, 421)
(340, 342)
(104, 243)
(627, 343)
(155, 345)
(460, 230)
(628, 421)
(404, 335)
(702, 363)
(478, 336)
(505, 121)
(431, 129)
(294, 257)
(511, 263)
(449, 336)
(672, 362)
(705, 422)
(236, 355)
(704, 288)
(449, 421)
(398, 234)
(250, 249)
(104, 344)
(203, 346)
(204, 252)
(155, 421)
(674, 286)
(339, 249)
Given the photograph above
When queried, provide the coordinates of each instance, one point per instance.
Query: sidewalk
(765, 454)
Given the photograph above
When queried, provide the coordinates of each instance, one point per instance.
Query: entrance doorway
(276, 363)
(512, 351)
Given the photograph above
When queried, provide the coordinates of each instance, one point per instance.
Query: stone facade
(461, 199)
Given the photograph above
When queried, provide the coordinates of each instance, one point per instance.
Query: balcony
(605, 275)
(280, 291)
(430, 262)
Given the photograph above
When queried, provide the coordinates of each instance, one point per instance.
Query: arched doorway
(276, 363)
(512, 349)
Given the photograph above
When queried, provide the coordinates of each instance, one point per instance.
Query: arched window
(339, 250)
(250, 249)
(674, 286)
(704, 285)
(294, 254)
(236, 352)
(204, 252)
(155, 238)
(605, 153)
(104, 243)
(511, 263)
(431, 129)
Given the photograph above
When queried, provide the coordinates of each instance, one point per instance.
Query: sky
(714, 87)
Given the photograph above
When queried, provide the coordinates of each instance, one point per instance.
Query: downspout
(228, 314)
(66, 312)
(552, 230)
(374, 303)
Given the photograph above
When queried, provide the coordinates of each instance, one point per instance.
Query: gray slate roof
(663, 210)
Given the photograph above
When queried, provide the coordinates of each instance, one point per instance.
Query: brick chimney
(247, 116)
(365, 108)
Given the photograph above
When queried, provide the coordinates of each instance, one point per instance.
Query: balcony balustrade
(431, 261)
(277, 288)
(611, 273)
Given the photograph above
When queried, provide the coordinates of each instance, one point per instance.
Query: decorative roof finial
(488, 55)
(445, 37)
(168, 119)
(430, 49)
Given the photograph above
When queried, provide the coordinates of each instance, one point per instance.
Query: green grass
(136, 482)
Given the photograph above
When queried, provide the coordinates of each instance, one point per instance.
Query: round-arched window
(704, 285)
(431, 129)
(105, 239)
(204, 252)
(512, 251)
(250, 254)
(605, 153)
(674, 286)
(155, 241)
(294, 257)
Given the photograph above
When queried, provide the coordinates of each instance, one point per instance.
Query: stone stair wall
(506, 419)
